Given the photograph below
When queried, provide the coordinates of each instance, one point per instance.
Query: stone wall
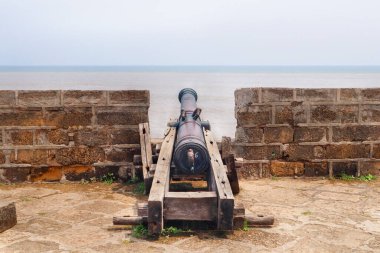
(55, 135)
(311, 132)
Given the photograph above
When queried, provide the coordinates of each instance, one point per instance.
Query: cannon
(188, 152)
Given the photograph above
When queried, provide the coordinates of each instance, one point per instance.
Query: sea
(215, 85)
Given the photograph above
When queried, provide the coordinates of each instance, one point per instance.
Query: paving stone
(8, 217)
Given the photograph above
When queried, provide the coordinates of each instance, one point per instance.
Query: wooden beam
(259, 220)
(232, 173)
(222, 185)
(160, 184)
(142, 209)
(195, 206)
(146, 153)
(129, 220)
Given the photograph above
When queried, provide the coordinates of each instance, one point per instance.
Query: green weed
(245, 226)
(140, 231)
(133, 180)
(306, 213)
(275, 178)
(346, 177)
(171, 231)
(139, 188)
(108, 178)
(366, 178)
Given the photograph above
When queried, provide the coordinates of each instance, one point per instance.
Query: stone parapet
(55, 135)
(310, 132)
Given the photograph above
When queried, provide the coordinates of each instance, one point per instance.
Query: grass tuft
(108, 178)
(140, 231)
(139, 188)
(245, 226)
(365, 178)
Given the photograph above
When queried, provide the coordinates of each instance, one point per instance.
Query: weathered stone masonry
(311, 132)
(54, 135)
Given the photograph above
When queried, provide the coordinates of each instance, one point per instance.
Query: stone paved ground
(311, 216)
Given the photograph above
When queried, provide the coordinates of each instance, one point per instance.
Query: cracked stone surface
(312, 215)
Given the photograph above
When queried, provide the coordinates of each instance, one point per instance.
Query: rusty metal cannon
(188, 153)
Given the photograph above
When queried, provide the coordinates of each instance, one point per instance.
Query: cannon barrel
(190, 152)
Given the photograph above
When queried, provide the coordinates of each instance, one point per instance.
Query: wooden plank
(239, 209)
(191, 195)
(195, 206)
(232, 173)
(142, 209)
(222, 185)
(160, 184)
(146, 153)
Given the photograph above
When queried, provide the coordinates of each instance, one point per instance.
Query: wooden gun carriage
(188, 153)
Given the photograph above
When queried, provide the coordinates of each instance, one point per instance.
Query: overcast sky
(189, 32)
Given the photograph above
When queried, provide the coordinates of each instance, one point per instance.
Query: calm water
(215, 85)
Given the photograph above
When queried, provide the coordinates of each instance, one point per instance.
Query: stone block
(8, 216)
(347, 151)
(316, 94)
(371, 94)
(356, 133)
(295, 152)
(348, 168)
(246, 97)
(249, 170)
(370, 167)
(113, 115)
(14, 174)
(46, 173)
(104, 170)
(310, 134)
(52, 136)
(7, 98)
(334, 114)
(2, 157)
(115, 154)
(292, 114)
(68, 117)
(79, 155)
(19, 137)
(254, 115)
(33, 156)
(21, 117)
(286, 169)
(84, 97)
(313, 169)
(78, 172)
(125, 136)
(371, 113)
(281, 134)
(277, 95)
(129, 97)
(265, 152)
(376, 151)
(350, 95)
(39, 98)
(91, 137)
(249, 134)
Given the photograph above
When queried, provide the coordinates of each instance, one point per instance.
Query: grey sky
(196, 32)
